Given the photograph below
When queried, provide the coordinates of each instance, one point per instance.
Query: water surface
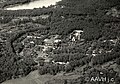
(35, 4)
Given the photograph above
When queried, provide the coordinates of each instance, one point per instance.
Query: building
(49, 42)
(61, 63)
(76, 35)
(57, 41)
(44, 16)
(27, 52)
(41, 54)
(15, 20)
(113, 12)
(53, 39)
(48, 60)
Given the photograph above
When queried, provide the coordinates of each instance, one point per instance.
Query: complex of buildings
(44, 50)
(76, 35)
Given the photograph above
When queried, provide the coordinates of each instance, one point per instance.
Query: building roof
(78, 31)
(41, 54)
(44, 16)
(57, 40)
(49, 41)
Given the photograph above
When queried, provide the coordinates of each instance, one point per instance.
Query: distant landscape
(72, 42)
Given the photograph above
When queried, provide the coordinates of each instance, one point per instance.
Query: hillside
(73, 42)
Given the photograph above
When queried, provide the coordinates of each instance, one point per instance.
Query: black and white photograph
(59, 41)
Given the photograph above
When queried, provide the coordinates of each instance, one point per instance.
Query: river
(34, 4)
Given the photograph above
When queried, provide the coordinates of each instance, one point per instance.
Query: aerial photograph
(59, 41)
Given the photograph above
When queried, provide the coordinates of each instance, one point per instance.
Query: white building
(29, 36)
(63, 63)
(76, 35)
(57, 41)
(32, 42)
(113, 12)
(44, 16)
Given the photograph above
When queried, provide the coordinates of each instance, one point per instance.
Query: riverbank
(12, 3)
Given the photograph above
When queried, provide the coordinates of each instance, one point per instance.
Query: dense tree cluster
(65, 57)
(51, 68)
(105, 57)
(87, 15)
(13, 66)
(10, 63)
(5, 19)
(118, 61)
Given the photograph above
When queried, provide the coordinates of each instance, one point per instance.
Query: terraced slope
(32, 78)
